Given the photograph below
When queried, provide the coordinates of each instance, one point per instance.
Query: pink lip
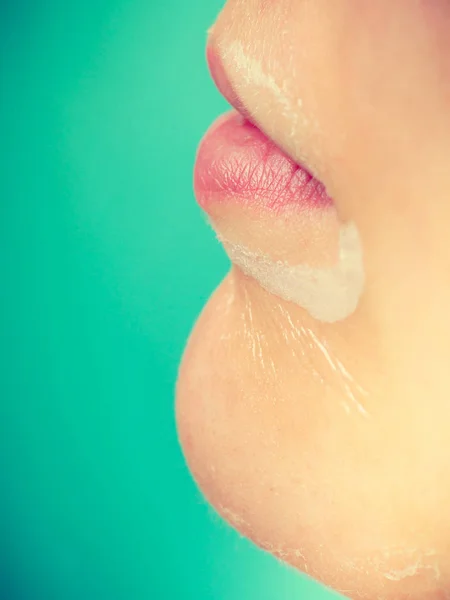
(237, 162)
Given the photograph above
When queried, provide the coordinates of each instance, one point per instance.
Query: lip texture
(237, 162)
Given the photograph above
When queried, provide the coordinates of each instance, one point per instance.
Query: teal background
(105, 263)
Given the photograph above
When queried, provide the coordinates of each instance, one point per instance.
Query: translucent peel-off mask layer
(329, 293)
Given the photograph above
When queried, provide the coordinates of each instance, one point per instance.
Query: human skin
(327, 443)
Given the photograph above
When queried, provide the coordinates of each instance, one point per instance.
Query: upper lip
(225, 87)
(222, 81)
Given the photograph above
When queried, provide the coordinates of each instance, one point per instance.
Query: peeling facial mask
(328, 293)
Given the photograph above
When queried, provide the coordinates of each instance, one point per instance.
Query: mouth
(274, 218)
(236, 162)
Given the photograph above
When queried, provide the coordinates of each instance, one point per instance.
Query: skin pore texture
(312, 400)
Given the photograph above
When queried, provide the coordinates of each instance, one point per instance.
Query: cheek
(436, 20)
(393, 65)
(374, 83)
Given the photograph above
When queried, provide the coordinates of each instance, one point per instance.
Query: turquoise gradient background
(106, 262)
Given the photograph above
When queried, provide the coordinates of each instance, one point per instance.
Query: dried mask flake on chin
(329, 294)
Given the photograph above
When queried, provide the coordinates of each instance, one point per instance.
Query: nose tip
(222, 81)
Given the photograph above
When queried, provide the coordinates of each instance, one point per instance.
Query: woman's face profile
(313, 399)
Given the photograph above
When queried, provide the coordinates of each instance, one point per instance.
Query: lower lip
(237, 163)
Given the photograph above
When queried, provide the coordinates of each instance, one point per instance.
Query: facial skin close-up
(313, 397)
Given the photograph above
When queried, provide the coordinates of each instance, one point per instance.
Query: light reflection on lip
(222, 81)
